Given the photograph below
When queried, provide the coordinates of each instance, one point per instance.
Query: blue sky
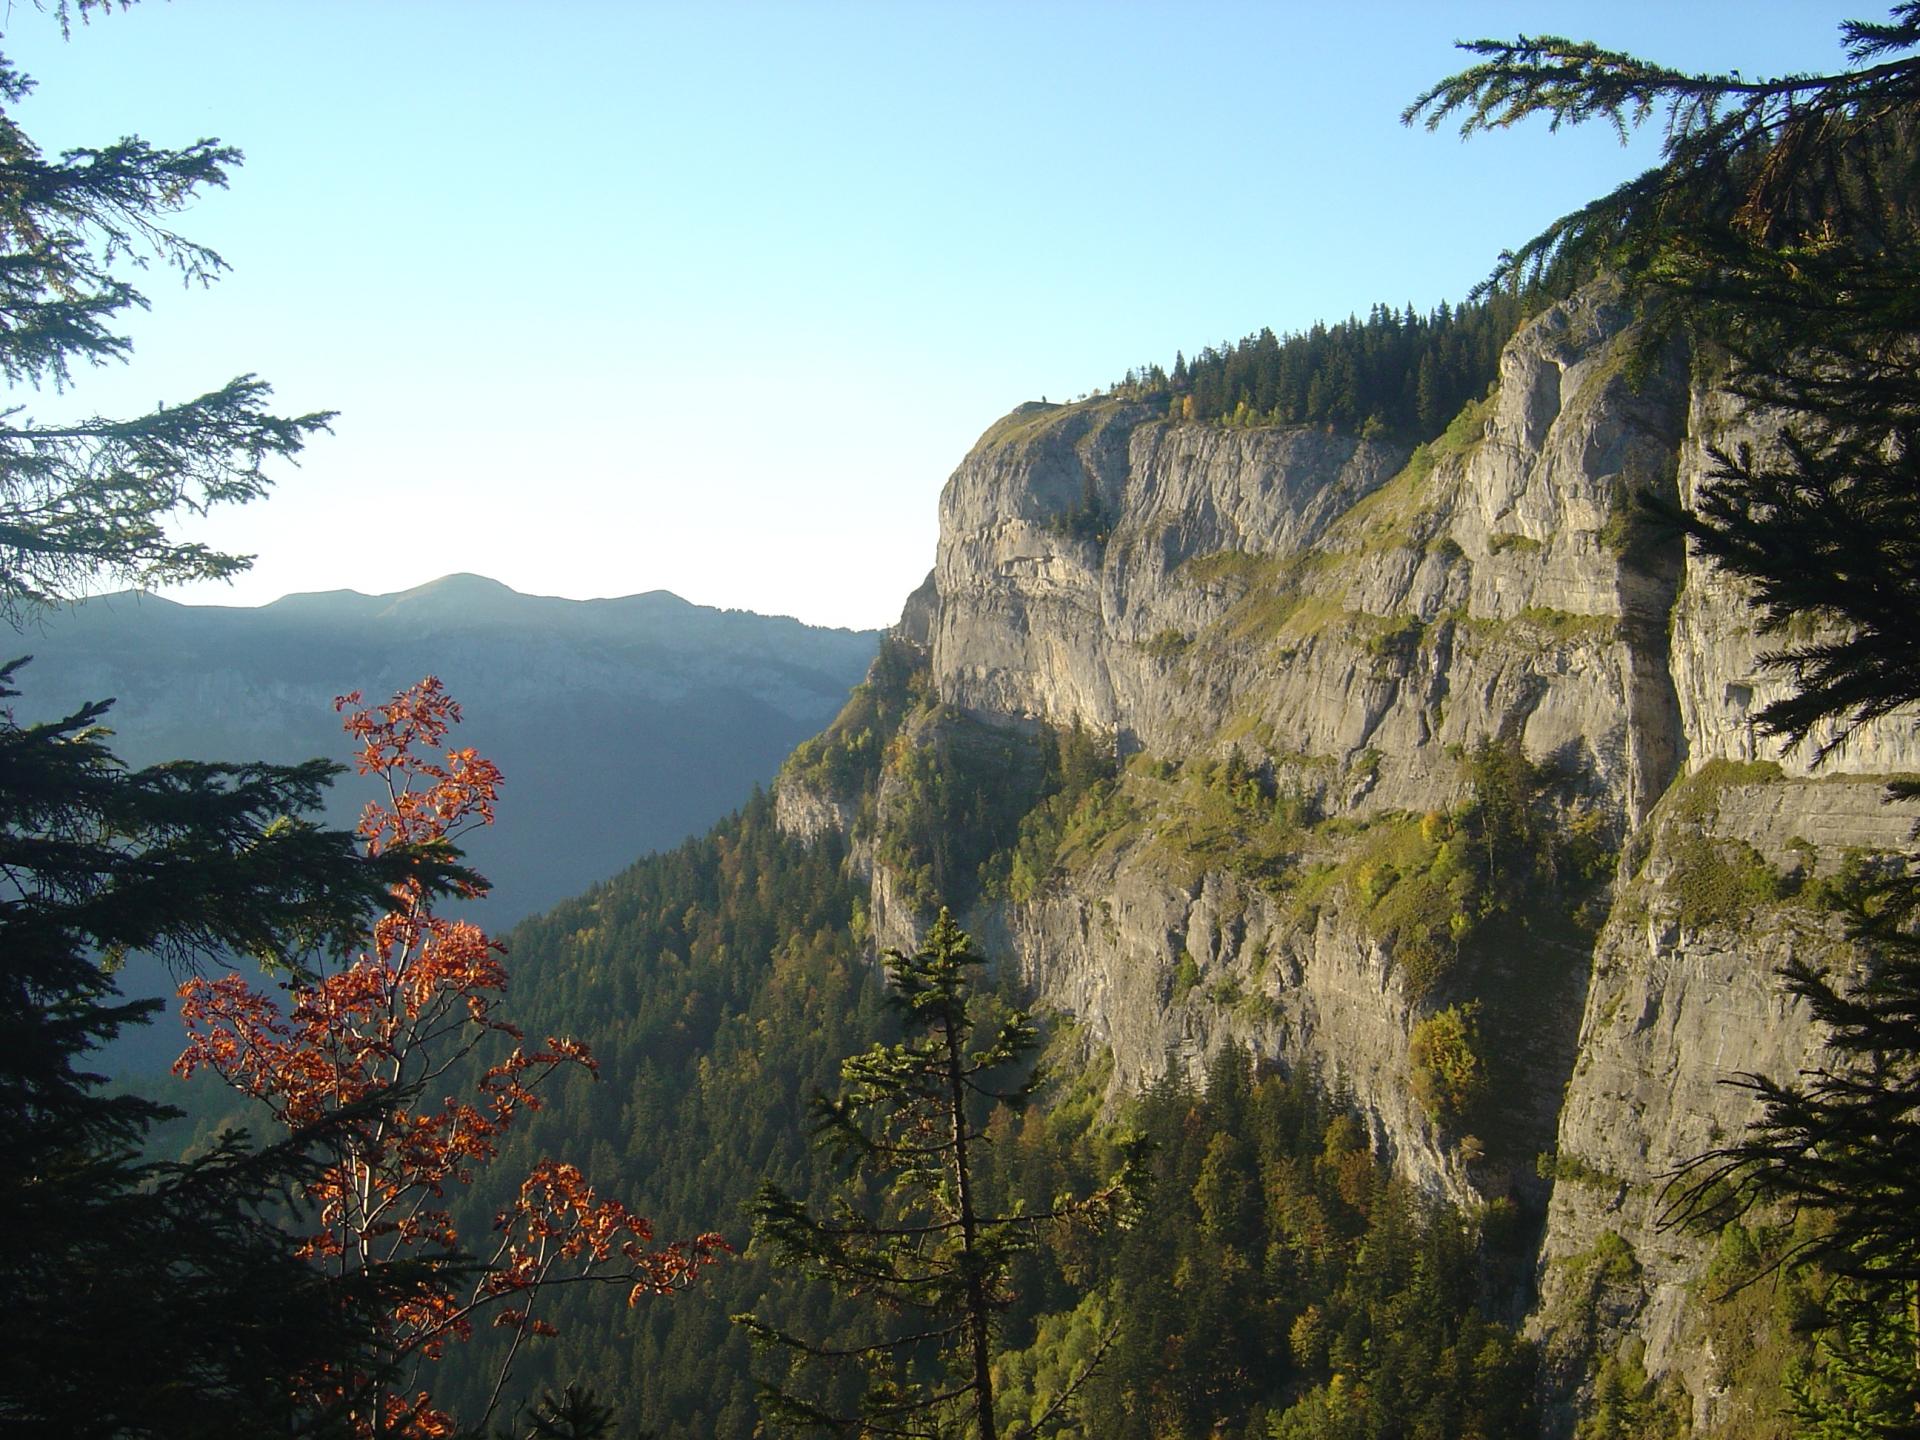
(712, 298)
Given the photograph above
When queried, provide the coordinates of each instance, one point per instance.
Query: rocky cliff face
(1258, 576)
(1309, 654)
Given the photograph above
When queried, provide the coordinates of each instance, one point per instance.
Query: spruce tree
(905, 1231)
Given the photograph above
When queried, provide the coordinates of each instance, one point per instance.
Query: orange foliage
(381, 1032)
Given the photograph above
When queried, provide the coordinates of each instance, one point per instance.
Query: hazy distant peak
(451, 603)
(460, 589)
(462, 582)
(129, 600)
(321, 602)
(466, 599)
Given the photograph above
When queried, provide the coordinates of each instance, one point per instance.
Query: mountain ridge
(622, 726)
(463, 585)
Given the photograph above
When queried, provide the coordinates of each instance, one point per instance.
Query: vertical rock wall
(1348, 619)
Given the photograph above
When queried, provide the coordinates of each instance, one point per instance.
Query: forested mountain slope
(722, 983)
(1419, 779)
(1401, 738)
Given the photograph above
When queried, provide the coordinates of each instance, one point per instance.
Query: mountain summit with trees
(1396, 373)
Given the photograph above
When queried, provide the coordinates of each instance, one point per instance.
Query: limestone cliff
(1325, 668)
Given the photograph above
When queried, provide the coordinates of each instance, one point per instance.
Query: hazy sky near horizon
(616, 297)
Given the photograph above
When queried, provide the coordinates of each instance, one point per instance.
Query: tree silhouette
(90, 497)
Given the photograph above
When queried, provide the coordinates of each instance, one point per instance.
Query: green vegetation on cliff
(1081, 805)
(1397, 372)
(1275, 1274)
(845, 758)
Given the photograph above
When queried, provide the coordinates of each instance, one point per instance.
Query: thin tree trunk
(977, 1311)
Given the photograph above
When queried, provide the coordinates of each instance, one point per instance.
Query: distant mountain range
(622, 725)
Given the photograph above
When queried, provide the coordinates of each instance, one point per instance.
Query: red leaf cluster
(399, 1020)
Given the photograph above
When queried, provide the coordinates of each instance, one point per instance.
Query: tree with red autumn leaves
(373, 1042)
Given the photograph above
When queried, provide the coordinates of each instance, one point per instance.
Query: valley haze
(622, 726)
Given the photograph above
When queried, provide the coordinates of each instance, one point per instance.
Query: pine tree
(906, 1230)
(1429, 408)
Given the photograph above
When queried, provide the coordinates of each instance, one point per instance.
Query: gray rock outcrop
(1346, 621)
